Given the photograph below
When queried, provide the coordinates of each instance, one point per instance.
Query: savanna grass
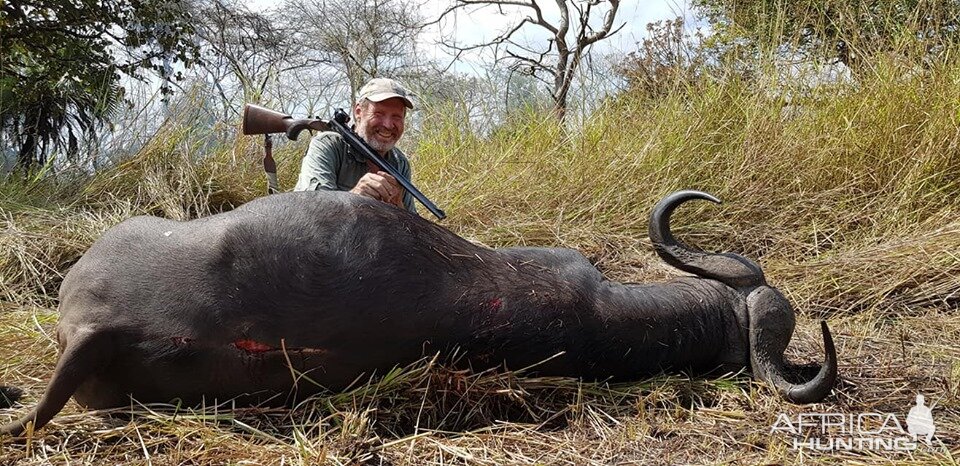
(847, 197)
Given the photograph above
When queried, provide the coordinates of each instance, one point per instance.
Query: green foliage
(63, 60)
(852, 33)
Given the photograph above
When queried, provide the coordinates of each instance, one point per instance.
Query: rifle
(260, 120)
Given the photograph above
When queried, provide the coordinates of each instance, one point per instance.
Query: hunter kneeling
(331, 164)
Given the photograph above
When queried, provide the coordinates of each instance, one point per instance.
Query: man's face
(380, 123)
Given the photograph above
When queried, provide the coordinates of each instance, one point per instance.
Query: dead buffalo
(332, 285)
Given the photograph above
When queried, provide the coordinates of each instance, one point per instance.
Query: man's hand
(380, 186)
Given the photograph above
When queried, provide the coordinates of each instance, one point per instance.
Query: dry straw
(848, 197)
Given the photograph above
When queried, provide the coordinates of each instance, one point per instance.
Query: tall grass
(848, 196)
(872, 166)
(850, 169)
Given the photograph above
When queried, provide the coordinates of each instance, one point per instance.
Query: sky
(486, 23)
(634, 15)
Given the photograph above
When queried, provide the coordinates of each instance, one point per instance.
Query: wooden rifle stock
(261, 120)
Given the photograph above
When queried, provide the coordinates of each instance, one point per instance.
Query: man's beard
(370, 135)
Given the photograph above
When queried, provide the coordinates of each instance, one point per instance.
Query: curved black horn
(670, 250)
(732, 269)
(770, 367)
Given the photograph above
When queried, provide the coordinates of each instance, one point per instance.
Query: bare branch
(571, 38)
(604, 31)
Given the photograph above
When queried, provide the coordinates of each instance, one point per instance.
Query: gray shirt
(332, 165)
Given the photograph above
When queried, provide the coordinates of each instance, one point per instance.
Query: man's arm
(321, 164)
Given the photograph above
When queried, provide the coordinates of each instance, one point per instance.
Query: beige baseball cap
(380, 89)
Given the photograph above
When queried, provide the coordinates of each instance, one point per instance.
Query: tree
(62, 62)
(668, 57)
(244, 51)
(570, 37)
(852, 33)
(361, 39)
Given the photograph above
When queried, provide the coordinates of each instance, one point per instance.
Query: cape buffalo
(326, 286)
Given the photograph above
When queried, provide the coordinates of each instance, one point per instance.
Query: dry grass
(429, 414)
(850, 203)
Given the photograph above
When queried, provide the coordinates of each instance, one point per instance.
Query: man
(379, 118)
